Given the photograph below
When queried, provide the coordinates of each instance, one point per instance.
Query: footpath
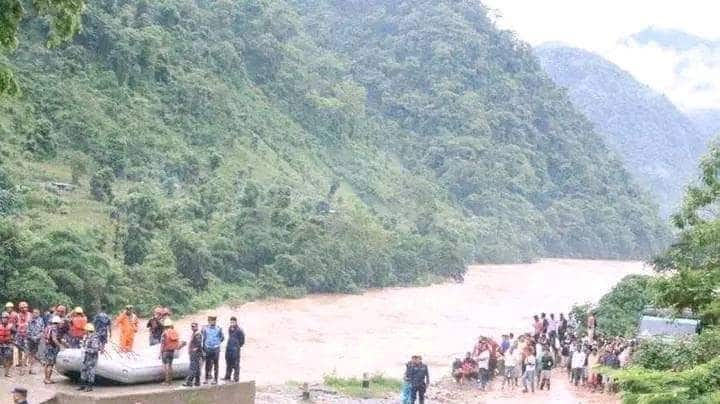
(446, 391)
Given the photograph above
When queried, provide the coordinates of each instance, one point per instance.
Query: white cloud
(691, 79)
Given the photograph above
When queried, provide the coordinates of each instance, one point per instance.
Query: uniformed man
(91, 346)
(195, 351)
(53, 343)
(35, 333)
(103, 326)
(212, 338)
(236, 339)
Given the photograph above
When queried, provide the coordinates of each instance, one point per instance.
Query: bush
(618, 312)
(680, 354)
(694, 385)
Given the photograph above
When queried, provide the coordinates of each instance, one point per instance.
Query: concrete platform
(231, 393)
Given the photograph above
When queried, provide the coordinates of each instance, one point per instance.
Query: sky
(690, 78)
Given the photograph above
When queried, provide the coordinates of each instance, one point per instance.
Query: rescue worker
(127, 321)
(91, 347)
(212, 337)
(6, 342)
(53, 343)
(35, 333)
(155, 326)
(21, 332)
(195, 352)
(236, 339)
(169, 343)
(103, 326)
(76, 331)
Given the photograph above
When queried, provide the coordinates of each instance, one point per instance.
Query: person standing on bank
(195, 352)
(103, 326)
(169, 343)
(236, 339)
(91, 347)
(155, 325)
(212, 337)
(7, 330)
(418, 376)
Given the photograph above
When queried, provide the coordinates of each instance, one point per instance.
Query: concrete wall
(231, 393)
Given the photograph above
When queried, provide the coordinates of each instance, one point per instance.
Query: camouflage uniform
(91, 351)
(195, 350)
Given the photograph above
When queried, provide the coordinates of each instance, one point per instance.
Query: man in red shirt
(169, 343)
(24, 316)
(6, 342)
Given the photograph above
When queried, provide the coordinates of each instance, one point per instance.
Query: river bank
(304, 339)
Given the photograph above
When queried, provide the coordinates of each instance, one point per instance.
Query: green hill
(189, 152)
(658, 143)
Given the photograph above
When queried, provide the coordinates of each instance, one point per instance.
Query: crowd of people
(30, 337)
(527, 360)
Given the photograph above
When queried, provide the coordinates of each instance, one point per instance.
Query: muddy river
(376, 332)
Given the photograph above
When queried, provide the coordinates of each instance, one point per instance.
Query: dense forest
(658, 143)
(190, 152)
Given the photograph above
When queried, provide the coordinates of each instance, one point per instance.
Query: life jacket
(171, 340)
(77, 326)
(23, 322)
(5, 333)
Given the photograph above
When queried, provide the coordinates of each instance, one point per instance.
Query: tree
(143, 215)
(694, 261)
(64, 17)
(192, 257)
(101, 184)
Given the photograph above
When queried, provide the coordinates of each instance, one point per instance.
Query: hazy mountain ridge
(658, 143)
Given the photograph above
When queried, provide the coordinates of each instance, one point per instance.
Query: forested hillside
(188, 152)
(707, 121)
(658, 143)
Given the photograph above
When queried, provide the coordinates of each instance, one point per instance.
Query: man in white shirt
(529, 375)
(577, 363)
(511, 361)
(483, 361)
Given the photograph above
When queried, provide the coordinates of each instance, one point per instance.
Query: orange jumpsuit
(128, 327)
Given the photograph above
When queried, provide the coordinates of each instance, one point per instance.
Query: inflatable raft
(143, 366)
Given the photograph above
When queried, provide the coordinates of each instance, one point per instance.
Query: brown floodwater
(377, 331)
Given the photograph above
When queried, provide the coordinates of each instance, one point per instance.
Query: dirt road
(376, 332)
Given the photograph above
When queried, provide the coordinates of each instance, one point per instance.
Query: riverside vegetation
(686, 370)
(222, 150)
